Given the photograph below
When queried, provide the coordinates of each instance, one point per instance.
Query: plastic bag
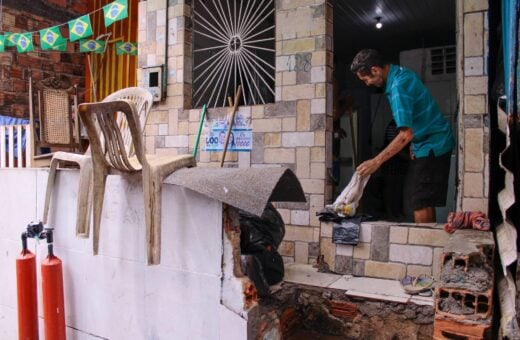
(259, 241)
(347, 232)
(261, 232)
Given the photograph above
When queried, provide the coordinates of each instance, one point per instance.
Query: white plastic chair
(143, 102)
(154, 168)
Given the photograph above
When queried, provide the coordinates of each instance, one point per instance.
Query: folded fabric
(467, 220)
(347, 202)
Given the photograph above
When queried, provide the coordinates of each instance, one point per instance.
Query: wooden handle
(231, 121)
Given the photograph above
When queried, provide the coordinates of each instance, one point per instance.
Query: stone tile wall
(472, 45)
(387, 251)
(293, 132)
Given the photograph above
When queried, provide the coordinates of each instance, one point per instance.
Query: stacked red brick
(464, 294)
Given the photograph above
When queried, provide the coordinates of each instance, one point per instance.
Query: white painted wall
(115, 295)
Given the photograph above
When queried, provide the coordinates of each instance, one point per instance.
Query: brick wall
(294, 132)
(472, 51)
(15, 68)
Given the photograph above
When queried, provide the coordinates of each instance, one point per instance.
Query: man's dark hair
(366, 59)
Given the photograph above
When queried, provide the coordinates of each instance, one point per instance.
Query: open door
(417, 35)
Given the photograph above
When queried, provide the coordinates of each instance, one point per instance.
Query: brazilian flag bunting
(115, 11)
(11, 38)
(51, 37)
(61, 48)
(80, 28)
(25, 43)
(2, 44)
(126, 48)
(91, 45)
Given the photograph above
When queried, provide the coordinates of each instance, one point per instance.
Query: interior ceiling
(407, 24)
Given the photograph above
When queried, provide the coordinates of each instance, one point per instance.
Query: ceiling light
(379, 24)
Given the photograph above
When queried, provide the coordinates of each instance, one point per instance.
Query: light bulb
(379, 24)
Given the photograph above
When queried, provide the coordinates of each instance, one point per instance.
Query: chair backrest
(143, 101)
(56, 121)
(118, 137)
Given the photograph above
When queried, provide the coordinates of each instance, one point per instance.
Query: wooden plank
(10, 150)
(19, 144)
(2, 147)
(28, 146)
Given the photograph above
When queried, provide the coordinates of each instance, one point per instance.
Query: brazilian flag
(126, 48)
(115, 11)
(11, 38)
(2, 43)
(61, 48)
(91, 45)
(51, 37)
(80, 28)
(24, 43)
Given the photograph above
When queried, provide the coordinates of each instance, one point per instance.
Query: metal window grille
(233, 44)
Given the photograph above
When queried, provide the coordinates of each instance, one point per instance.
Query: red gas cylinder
(52, 292)
(53, 300)
(27, 296)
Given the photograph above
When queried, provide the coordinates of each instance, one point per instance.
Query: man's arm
(402, 139)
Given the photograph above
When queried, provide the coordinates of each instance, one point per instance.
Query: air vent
(443, 60)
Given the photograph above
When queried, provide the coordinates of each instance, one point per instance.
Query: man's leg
(424, 215)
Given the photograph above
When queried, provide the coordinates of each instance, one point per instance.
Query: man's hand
(368, 167)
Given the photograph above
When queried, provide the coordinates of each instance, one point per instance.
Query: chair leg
(98, 187)
(50, 188)
(84, 199)
(152, 187)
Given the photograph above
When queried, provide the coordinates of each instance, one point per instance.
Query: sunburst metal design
(233, 45)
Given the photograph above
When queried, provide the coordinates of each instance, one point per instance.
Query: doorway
(419, 35)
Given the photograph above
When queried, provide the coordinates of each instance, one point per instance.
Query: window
(443, 60)
(233, 44)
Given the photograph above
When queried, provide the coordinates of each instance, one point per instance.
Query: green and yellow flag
(61, 48)
(11, 38)
(24, 43)
(51, 37)
(115, 11)
(80, 28)
(91, 45)
(126, 48)
(2, 43)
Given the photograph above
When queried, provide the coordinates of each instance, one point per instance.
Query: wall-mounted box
(154, 81)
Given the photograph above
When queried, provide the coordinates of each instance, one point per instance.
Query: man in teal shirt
(420, 122)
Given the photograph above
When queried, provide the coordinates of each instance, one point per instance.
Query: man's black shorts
(430, 180)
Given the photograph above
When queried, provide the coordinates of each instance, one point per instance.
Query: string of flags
(80, 29)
